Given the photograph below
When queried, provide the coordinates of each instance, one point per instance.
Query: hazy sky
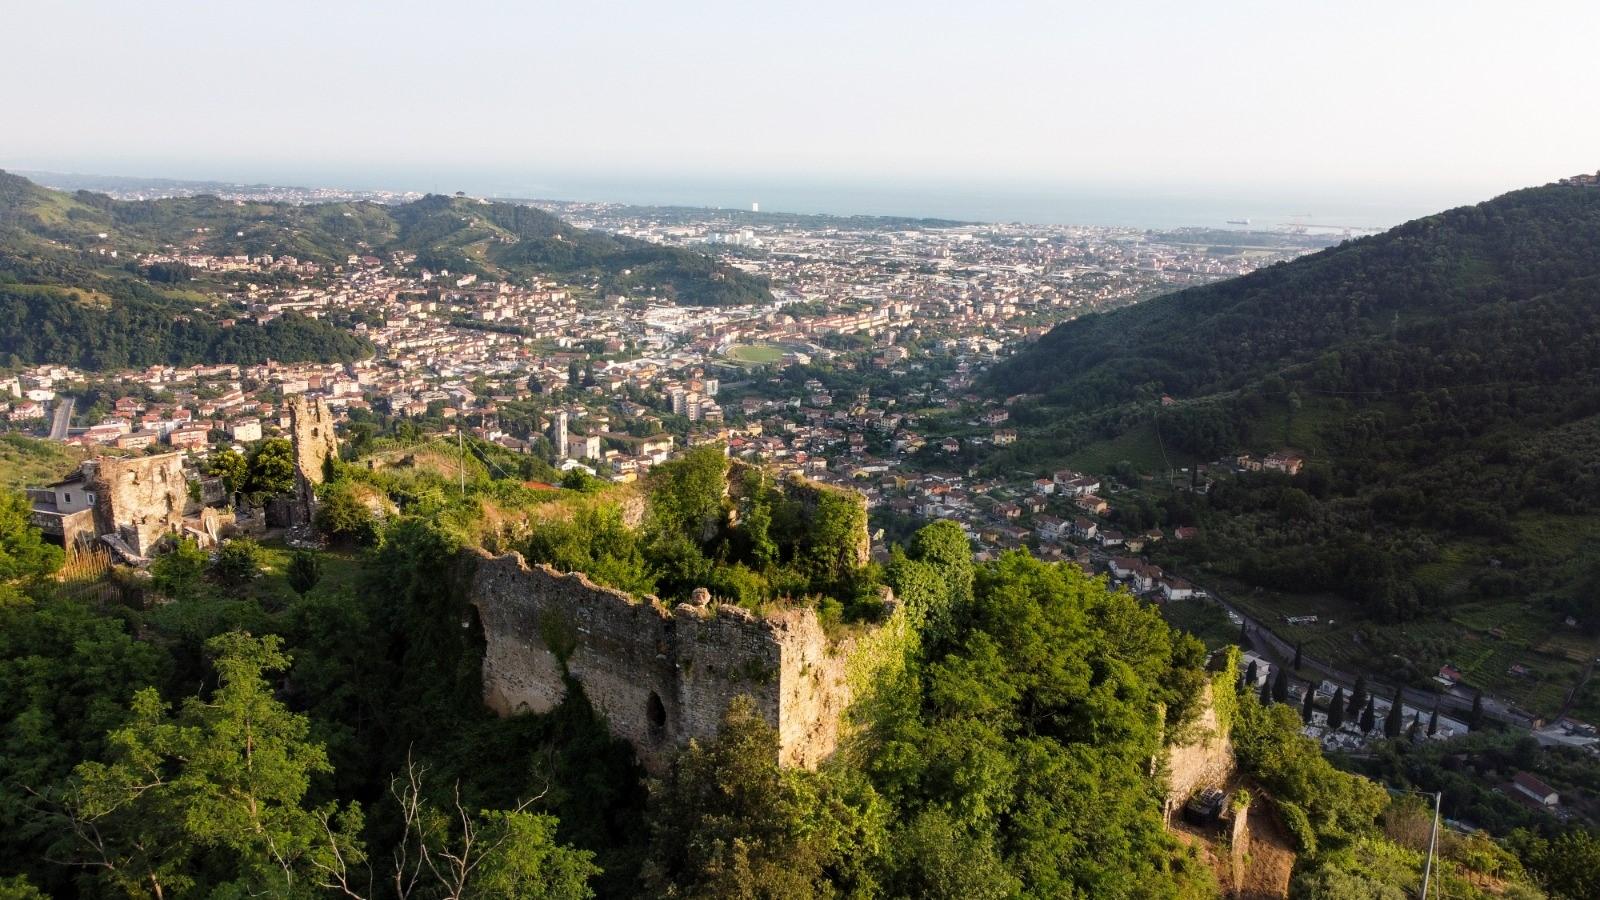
(1396, 95)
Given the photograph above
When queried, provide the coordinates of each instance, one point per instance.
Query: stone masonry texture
(659, 677)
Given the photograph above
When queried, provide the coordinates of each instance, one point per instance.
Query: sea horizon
(1038, 203)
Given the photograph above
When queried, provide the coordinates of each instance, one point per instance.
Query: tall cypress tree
(1280, 686)
(1310, 706)
(1297, 657)
(1396, 718)
(1336, 710)
(1477, 710)
(1250, 673)
(1266, 688)
(1369, 717)
(1433, 721)
(1358, 697)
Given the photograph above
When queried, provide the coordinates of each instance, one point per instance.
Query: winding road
(61, 420)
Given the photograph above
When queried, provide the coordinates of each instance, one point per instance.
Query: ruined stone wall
(1204, 758)
(140, 499)
(659, 677)
(311, 433)
(314, 444)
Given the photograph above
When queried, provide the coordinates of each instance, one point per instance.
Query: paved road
(1281, 652)
(62, 419)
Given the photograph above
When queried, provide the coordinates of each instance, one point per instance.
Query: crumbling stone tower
(139, 501)
(315, 447)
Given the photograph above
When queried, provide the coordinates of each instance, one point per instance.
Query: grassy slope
(29, 462)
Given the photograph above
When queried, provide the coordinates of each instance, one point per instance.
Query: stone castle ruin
(132, 505)
(135, 505)
(315, 447)
(661, 676)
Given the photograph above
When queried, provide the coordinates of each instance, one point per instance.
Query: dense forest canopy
(1483, 263)
(267, 721)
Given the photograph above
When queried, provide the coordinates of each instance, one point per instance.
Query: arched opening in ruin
(655, 712)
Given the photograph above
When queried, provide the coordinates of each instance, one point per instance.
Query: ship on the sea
(1238, 221)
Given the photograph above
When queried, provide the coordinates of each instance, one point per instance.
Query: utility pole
(1433, 842)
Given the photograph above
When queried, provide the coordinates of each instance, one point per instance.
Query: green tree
(230, 466)
(595, 540)
(343, 518)
(1336, 710)
(1372, 869)
(238, 562)
(524, 860)
(1393, 722)
(1270, 747)
(1568, 866)
(1358, 698)
(24, 556)
(304, 571)
(271, 470)
(453, 853)
(686, 494)
(997, 732)
(19, 888)
(577, 479)
(728, 821)
(227, 774)
(67, 673)
(936, 858)
(1309, 705)
(180, 572)
(936, 573)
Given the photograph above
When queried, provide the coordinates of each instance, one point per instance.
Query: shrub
(304, 571)
(1299, 827)
(239, 562)
(343, 518)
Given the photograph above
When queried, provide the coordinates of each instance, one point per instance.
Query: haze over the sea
(971, 198)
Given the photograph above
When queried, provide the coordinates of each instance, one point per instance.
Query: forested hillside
(456, 233)
(1377, 297)
(61, 304)
(289, 723)
(1441, 382)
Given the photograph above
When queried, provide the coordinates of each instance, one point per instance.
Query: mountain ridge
(1440, 385)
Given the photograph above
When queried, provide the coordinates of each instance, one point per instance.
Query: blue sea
(1044, 204)
(1137, 207)
(976, 199)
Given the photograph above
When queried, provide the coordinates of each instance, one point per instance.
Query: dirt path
(1260, 868)
(1268, 853)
